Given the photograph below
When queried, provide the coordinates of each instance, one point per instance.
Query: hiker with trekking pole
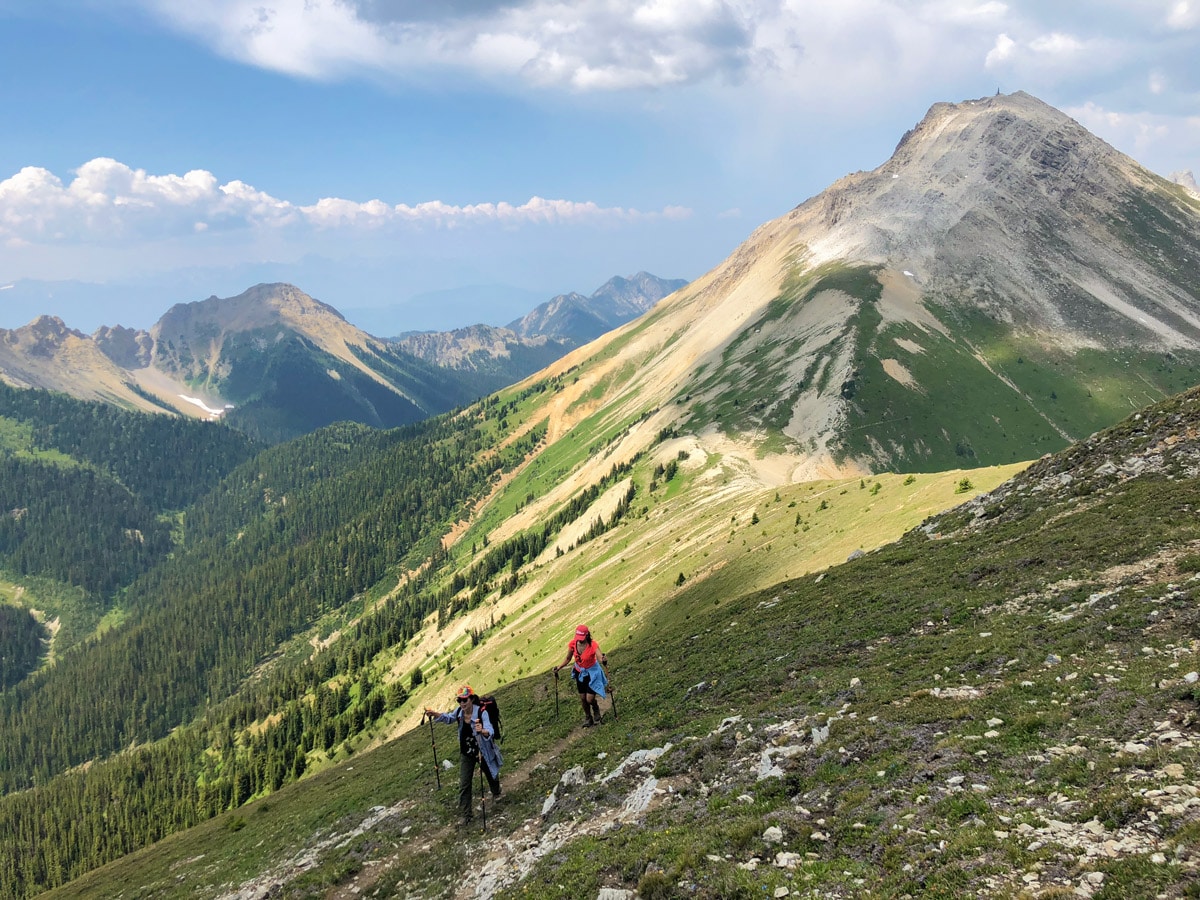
(587, 662)
(476, 743)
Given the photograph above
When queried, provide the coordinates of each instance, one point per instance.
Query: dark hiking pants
(466, 779)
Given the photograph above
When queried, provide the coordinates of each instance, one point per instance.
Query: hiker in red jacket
(588, 671)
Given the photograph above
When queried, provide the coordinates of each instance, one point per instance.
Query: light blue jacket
(599, 683)
(488, 751)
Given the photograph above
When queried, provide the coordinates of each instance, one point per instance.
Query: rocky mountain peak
(261, 306)
(44, 336)
(1009, 156)
(576, 317)
(1007, 197)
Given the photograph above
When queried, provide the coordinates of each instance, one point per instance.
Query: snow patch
(213, 414)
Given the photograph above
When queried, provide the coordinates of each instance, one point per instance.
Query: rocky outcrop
(127, 347)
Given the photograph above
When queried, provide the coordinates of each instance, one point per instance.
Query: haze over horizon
(463, 163)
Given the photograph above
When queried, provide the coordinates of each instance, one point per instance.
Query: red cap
(582, 632)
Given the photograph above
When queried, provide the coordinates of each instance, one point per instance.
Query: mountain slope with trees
(89, 495)
(1003, 701)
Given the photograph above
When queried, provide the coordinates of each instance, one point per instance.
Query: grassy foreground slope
(1003, 703)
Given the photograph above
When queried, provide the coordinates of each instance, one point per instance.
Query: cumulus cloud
(811, 56)
(586, 45)
(1001, 51)
(109, 202)
(1141, 133)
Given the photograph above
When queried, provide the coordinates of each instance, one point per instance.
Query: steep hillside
(1004, 284)
(1004, 703)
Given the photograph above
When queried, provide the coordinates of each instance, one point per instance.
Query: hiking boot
(588, 724)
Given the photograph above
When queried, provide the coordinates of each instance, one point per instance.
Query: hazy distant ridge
(582, 319)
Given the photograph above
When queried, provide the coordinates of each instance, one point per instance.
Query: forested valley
(195, 701)
(89, 500)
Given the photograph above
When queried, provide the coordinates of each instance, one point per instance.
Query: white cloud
(607, 44)
(1056, 44)
(583, 44)
(108, 202)
(1184, 15)
(757, 58)
(311, 38)
(1002, 50)
(1173, 139)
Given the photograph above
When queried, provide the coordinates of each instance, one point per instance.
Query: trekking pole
(612, 695)
(437, 771)
(482, 796)
(556, 695)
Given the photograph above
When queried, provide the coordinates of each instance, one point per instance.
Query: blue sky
(435, 163)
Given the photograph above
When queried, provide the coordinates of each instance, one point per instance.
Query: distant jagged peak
(129, 348)
(1187, 181)
(43, 335)
(574, 316)
(637, 292)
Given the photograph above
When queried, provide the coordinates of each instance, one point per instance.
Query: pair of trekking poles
(437, 772)
(612, 697)
(437, 769)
